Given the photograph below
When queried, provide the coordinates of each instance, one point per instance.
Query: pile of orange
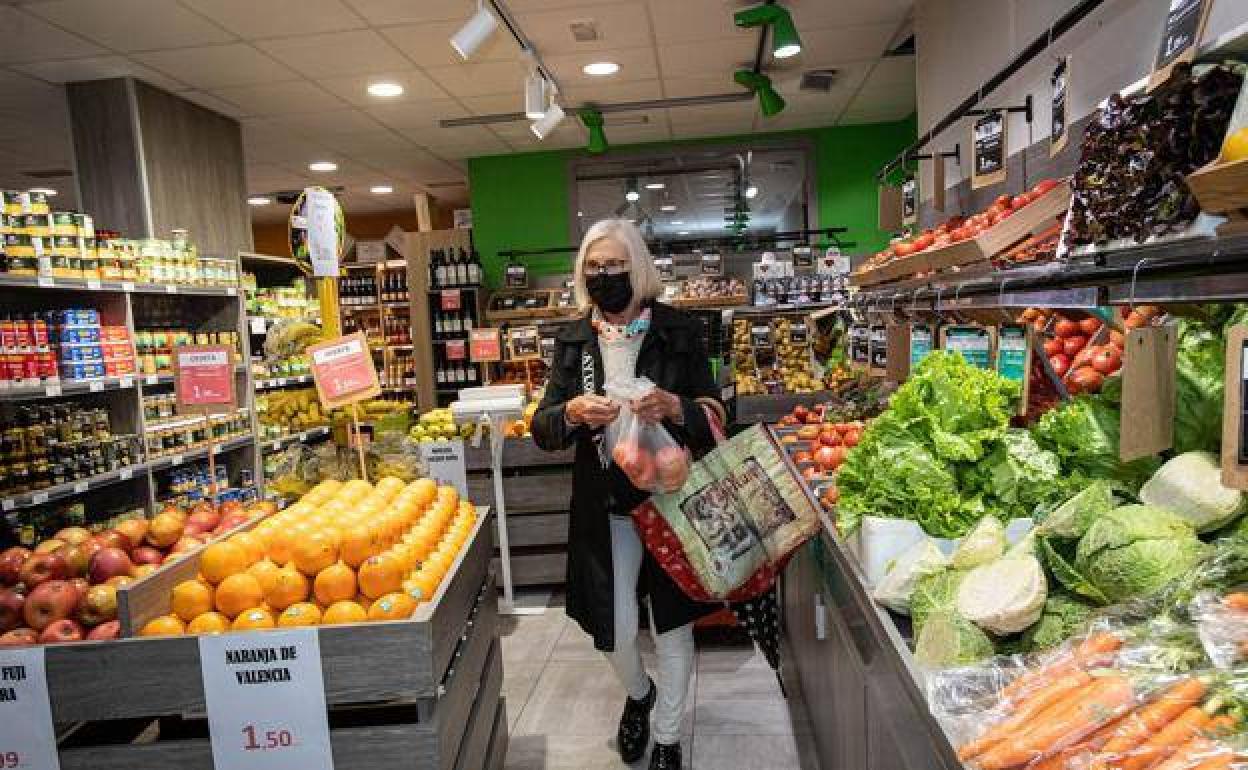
(344, 553)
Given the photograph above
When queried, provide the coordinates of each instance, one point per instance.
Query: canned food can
(16, 202)
(47, 365)
(13, 366)
(75, 370)
(8, 334)
(39, 332)
(25, 334)
(38, 203)
(63, 223)
(30, 366)
(95, 369)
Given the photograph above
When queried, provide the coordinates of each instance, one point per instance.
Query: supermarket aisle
(563, 703)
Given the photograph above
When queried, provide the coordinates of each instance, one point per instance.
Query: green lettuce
(1016, 476)
(1083, 433)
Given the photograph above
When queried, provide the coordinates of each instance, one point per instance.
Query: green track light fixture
(784, 39)
(597, 137)
(769, 101)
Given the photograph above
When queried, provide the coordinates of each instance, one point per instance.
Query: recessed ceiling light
(632, 195)
(667, 207)
(600, 68)
(655, 185)
(683, 232)
(381, 189)
(259, 200)
(323, 165)
(385, 89)
(678, 221)
(45, 190)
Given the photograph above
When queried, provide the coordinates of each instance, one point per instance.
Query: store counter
(858, 678)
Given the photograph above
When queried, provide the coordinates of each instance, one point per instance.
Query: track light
(542, 127)
(751, 191)
(632, 195)
(475, 32)
(597, 137)
(784, 39)
(770, 102)
(534, 96)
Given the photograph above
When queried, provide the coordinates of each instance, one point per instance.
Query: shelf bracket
(1025, 108)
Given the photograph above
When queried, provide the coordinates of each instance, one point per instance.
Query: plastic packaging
(644, 451)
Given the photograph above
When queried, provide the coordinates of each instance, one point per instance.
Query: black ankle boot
(634, 731)
(665, 757)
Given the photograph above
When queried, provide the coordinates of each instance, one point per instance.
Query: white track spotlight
(542, 127)
(473, 34)
(534, 96)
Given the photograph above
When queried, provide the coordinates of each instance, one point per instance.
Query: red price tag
(484, 345)
(204, 377)
(344, 371)
(451, 299)
(456, 350)
(265, 740)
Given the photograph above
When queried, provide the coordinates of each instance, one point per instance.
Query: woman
(625, 333)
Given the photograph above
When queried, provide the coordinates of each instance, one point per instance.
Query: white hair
(642, 273)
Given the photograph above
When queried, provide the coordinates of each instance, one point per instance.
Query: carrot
(1169, 738)
(1237, 600)
(1200, 750)
(1095, 704)
(1090, 745)
(1090, 649)
(1025, 711)
(1163, 710)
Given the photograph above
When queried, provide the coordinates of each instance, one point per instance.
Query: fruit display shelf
(127, 287)
(67, 388)
(418, 693)
(283, 382)
(311, 434)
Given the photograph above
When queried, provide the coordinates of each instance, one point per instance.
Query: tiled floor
(563, 703)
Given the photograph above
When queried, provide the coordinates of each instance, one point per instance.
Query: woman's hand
(591, 410)
(659, 405)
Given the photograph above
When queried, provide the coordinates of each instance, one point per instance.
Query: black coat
(673, 357)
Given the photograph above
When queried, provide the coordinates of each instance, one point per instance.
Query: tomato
(800, 412)
(1116, 339)
(1072, 345)
(852, 437)
(903, 249)
(1002, 202)
(1060, 364)
(1018, 201)
(1108, 360)
(1065, 328)
(1090, 326)
(1052, 347)
(923, 241)
(1135, 321)
(1030, 314)
(1088, 380)
(831, 495)
(838, 456)
(811, 473)
(942, 241)
(1043, 186)
(829, 438)
(802, 456)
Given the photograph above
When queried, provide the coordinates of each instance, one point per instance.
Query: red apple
(19, 637)
(11, 562)
(77, 557)
(11, 603)
(145, 554)
(73, 535)
(49, 546)
(98, 606)
(80, 586)
(134, 530)
(42, 567)
(49, 602)
(202, 520)
(230, 507)
(109, 563)
(109, 630)
(114, 539)
(61, 631)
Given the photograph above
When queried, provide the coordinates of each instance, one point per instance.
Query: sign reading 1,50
(10, 759)
(272, 739)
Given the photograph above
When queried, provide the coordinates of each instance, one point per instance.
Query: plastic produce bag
(1223, 626)
(644, 451)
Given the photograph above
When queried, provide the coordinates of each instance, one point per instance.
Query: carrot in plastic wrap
(1024, 712)
(1138, 726)
(1201, 751)
(1088, 650)
(1157, 748)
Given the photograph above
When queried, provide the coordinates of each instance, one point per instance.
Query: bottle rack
(455, 307)
(375, 299)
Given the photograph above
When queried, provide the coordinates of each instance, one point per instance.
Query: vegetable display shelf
(421, 693)
(863, 690)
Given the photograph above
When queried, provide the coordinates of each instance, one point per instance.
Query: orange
(165, 625)
(301, 614)
(1235, 147)
(251, 545)
(238, 593)
(449, 494)
(191, 599)
(344, 612)
(289, 586)
(281, 546)
(220, 560)
(334, 584)
(380, 575)
(358, 544)
(264, 571)
(209, 623)
(427, 583)
(314, 552)
(253, 620)
(393, 606)
(423, 491)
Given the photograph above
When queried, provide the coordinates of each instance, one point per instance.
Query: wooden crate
(1027, 221)
(1221, 188)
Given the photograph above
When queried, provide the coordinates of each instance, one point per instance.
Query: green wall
(520, 201)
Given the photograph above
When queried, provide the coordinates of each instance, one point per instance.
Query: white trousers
(674, 648)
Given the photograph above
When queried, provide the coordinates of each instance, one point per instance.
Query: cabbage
(895, 588)
(1191, 486)
(934, 593)
(1083, 433)
(1003, 597)
(950, 640)
(1134, 550)
(985, 543)
(1072, 518)
(1060, 568)
(1063, 614)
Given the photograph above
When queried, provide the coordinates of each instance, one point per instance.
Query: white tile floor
(563, 703)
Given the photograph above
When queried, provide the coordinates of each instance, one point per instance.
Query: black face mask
(611, 293)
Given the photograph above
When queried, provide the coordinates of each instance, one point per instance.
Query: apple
(165, 529)
(109, 563)
(73, 535)
(143, 570)
(98, 606)
(185, 544)
(11, 603)
(145, 554)
(114, 539)
(11, 561)
(120, 581)
(80, 586)
(231, 522)
(202, 520)
(19, 637)
(829, 438)
(77, 557)
(109, 630)
(49, 602)
(50, 546)
(134, 530)
(808, 432)
(61, 631)
(42, 567)
(229, 507)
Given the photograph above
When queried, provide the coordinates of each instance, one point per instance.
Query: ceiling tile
(881, 114)
(280, 98)
(657, 131)
(813, 14)
(619, 25)
(406, 116)
(495, 104)
(523, 6)
(26, 38)
(358, 143)
(273, 18)
(327, 123)
(699, 85)
(132, 25)
(462, 142)
(693, 20)
(479, 78)
(733, 116)
(379, 12)
(429, 44)
(217, 66)
(893, 71)
(213, 103)
(354, 88)
(635, 64)
(697, 59)
(337, 53)
(833, 45)
(608, 92)
(97, 68)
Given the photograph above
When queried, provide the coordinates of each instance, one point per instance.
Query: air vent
(584, 31)
(53, 173)
(819, 80)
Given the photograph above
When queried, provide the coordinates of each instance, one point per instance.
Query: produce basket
(1027, 221)
(1222, 188)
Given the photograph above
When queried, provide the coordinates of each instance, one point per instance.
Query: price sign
(266, 700)
(322, 212)
(803, 256)
(1058, 128)
(760, 335)
(1185, 23)
(516, 276)
(523, 343)
(988, 143)
(712, 264)
(920, 344)
(456, 350)
(548, 349)
(833, 262)
(974, 343)
(203, 377)
(452, 299)
(878, 339)
(484, 345)
(909, 201)
(343, 370)
(444, 463)
(27, 737)
(799, 334)
(1012, 352)
(666, 268)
